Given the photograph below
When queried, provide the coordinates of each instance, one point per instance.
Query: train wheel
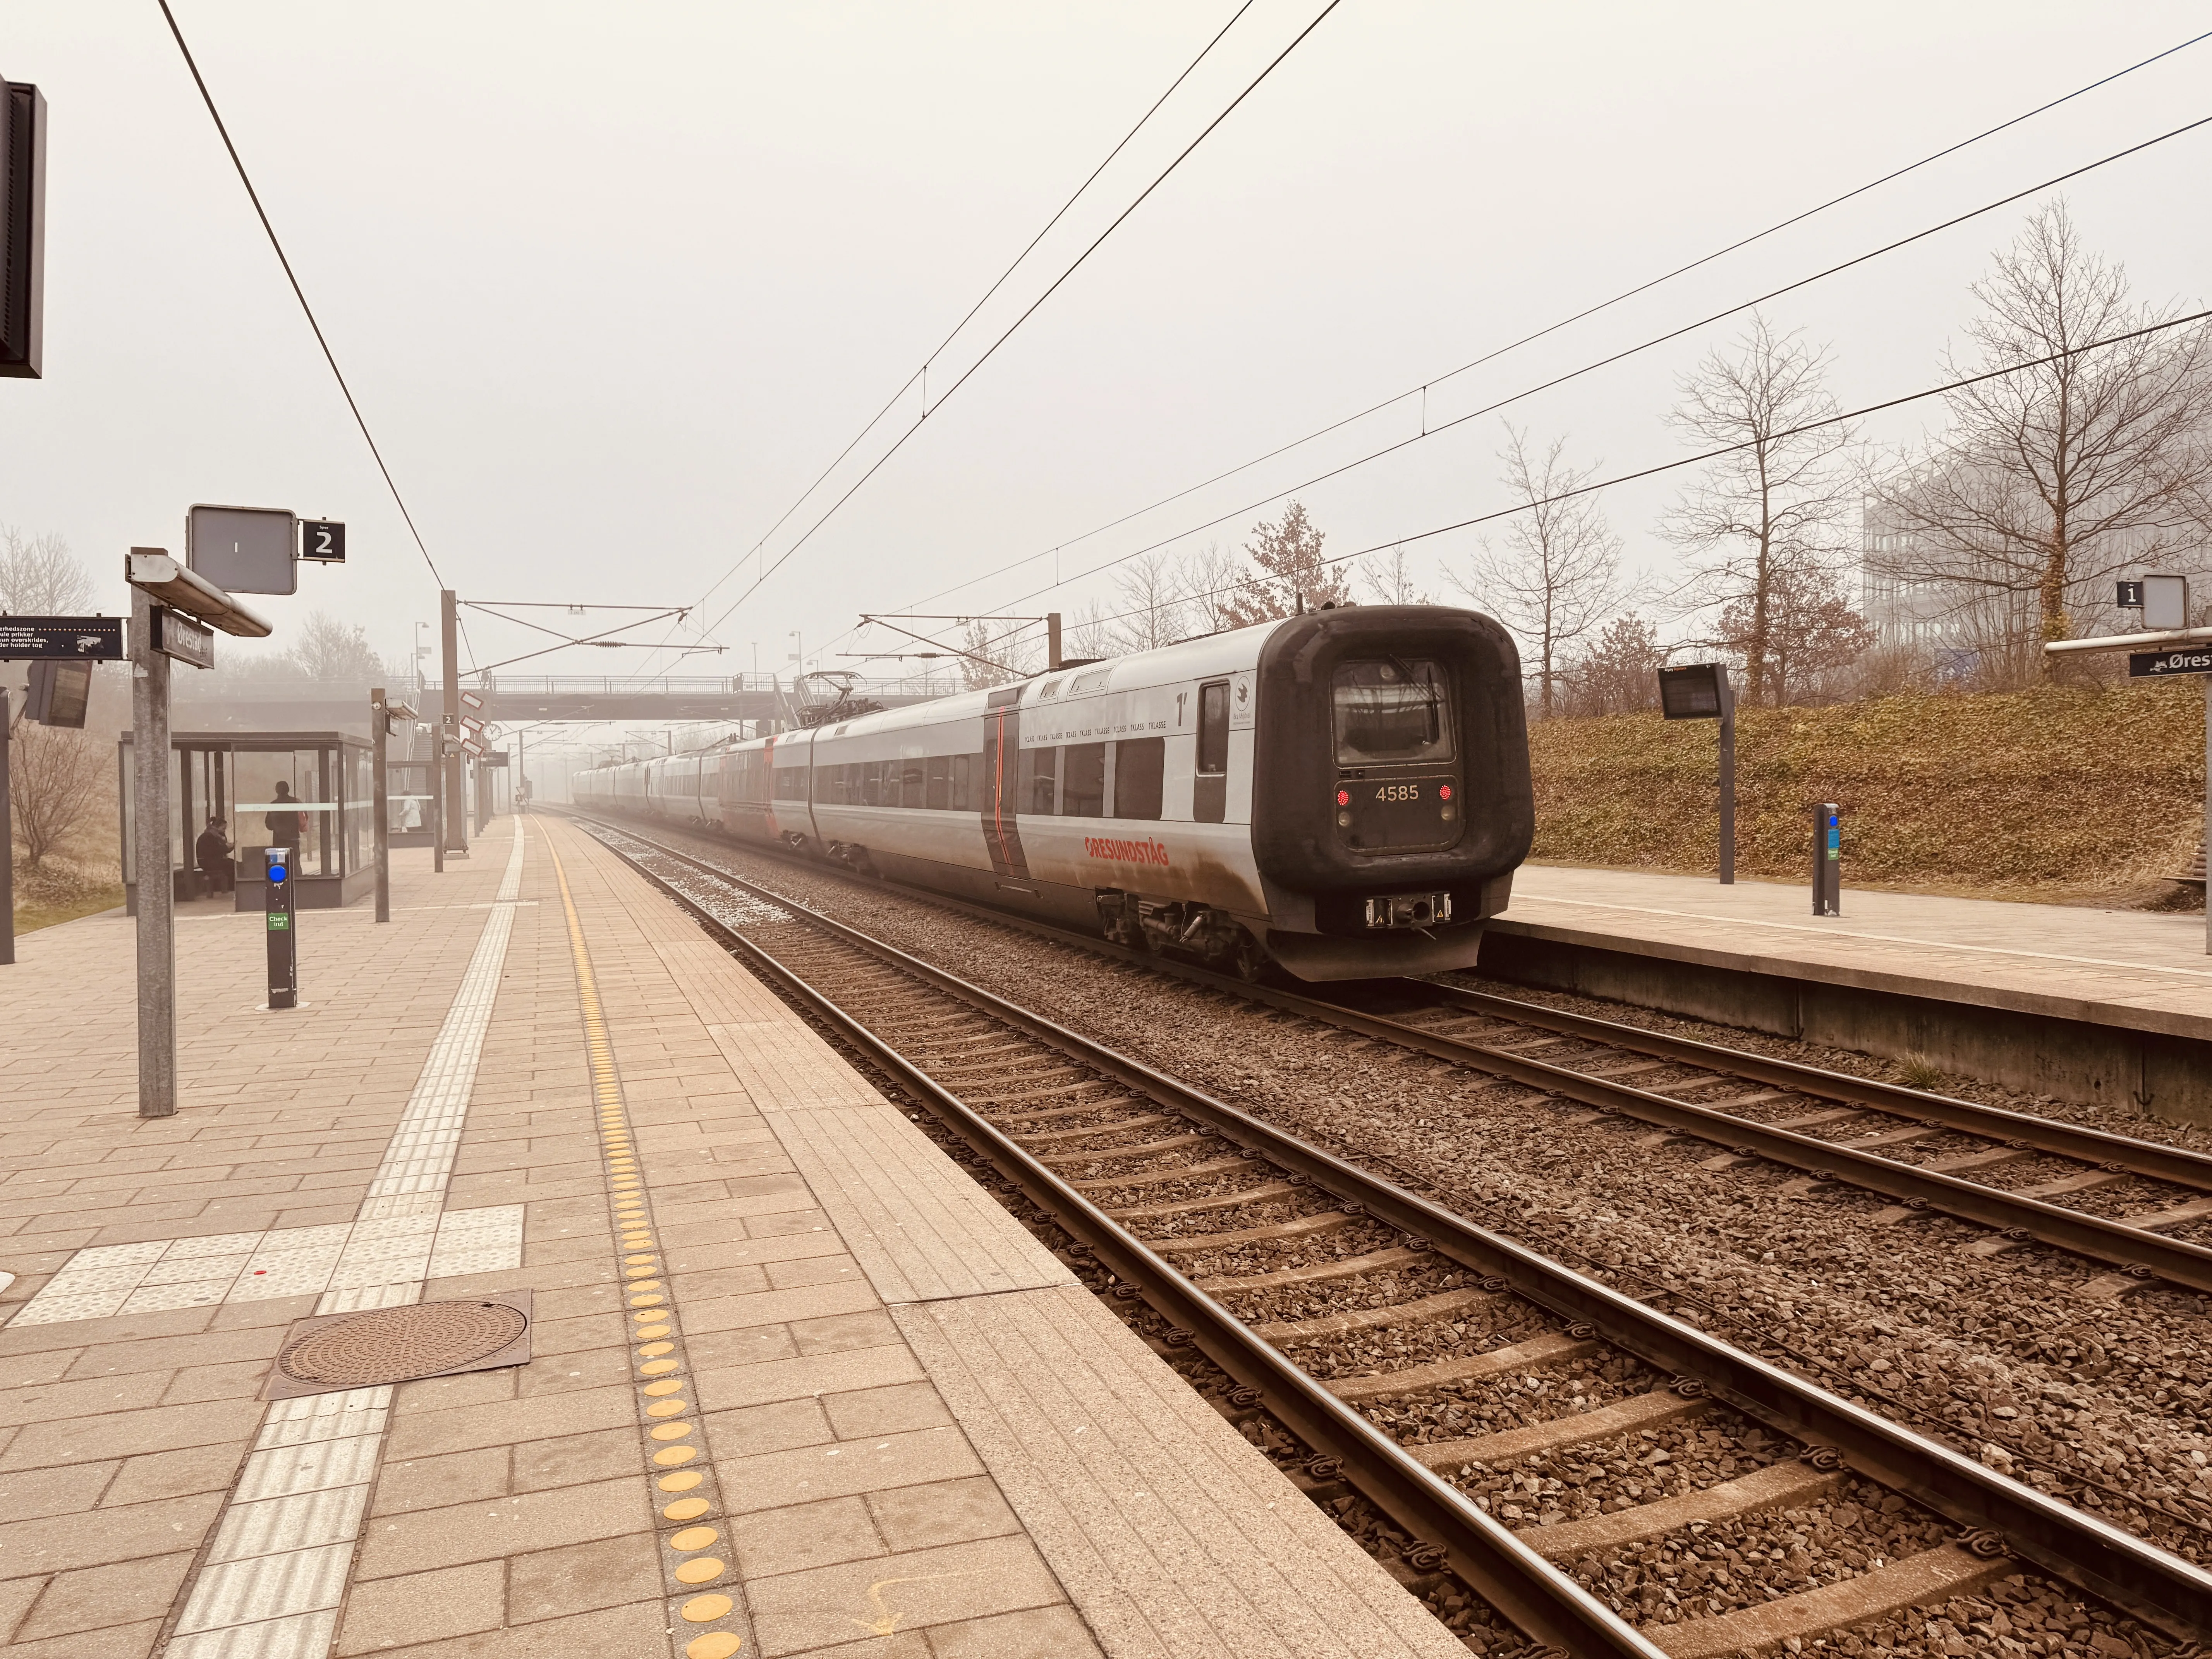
(1248, 957)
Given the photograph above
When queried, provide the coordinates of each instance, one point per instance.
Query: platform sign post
(149, 857)
(1700, 691)
(159, 584)
(454, 823)
(284, 943)
(1827, 860)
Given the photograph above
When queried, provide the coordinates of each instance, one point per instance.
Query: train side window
(1213, 727)
(911, 784)
(940, 782)
(1083, 783)
(963, 770)
(1036, 782)
(871, 783)
(1140, 766)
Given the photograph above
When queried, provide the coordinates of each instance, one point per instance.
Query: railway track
(1833, 1128)
(1521, 1419)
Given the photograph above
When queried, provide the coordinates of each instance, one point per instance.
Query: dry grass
(62, 889)
(2066, 794)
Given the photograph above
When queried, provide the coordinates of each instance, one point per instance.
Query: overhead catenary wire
(954, 332)
(298, 293)
(1552, 328)
(1724, 450)
(1605, 362)
(1030, 310)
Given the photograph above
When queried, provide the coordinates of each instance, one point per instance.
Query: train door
(1002, 743)
(1210, 787)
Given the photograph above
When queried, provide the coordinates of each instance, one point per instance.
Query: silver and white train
(1345, 792)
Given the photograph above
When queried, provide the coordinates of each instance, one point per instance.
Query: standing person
(285, 823)
(211, 852)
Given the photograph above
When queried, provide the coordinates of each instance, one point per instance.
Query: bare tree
(1557, 574)
(2054, 476)
(1811, 629)
(1619, 670)
(1776, 507)
(328, 649)
(39, 576)
(1209, 579)
(1390, 581)
(1290, 575)
(990, 659)
(54, 786)
(1152, 605)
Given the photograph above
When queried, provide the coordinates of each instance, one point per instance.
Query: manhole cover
(400, 1345)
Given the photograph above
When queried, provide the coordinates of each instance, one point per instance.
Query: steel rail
(1541, 1602)
(2135, 1250)
(2130, 1249)
(2178, 1164)
(2101, 1559)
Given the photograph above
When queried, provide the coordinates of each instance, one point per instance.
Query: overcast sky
(613, 284)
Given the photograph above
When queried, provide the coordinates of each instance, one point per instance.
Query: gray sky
(613, 283)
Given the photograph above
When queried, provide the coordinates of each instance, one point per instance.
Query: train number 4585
(1398, 792)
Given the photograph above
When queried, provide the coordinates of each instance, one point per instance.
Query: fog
(613, 285)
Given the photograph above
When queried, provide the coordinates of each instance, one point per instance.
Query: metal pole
(157, 932)
(7, 844)
(438, 807)
(454, 827)
(1052, 653)
(2208, 814)
(379, 727)
(1727, 785)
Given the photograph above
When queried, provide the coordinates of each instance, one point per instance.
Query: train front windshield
(1391, 712)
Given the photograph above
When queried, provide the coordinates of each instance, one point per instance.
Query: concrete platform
(2107, 1007)
(798, 1386)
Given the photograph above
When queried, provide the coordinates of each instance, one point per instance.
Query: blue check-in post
(1827, 860)
(284, 945)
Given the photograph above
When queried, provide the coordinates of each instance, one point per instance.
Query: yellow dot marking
(665, 1407)
(685, 1509)
(704, 1570)
(653, 1300)
(636, 1260)
(694, 1538)
(654, 1350)
(682, 1482)
(671, 1432)
(656, 1367)
(715, 1644)
(651, 1330)
(706, 1609)
(646, 1272)
(656, 1389)
(670, 1455)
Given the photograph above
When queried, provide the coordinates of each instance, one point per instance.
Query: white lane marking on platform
(182, 1273)
(271, 1586)
(1878, 938)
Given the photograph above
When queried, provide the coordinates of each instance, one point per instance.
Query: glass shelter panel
(283, 801)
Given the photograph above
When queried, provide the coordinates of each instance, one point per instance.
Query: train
(1342, 794)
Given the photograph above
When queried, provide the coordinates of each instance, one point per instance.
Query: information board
(94, 639)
